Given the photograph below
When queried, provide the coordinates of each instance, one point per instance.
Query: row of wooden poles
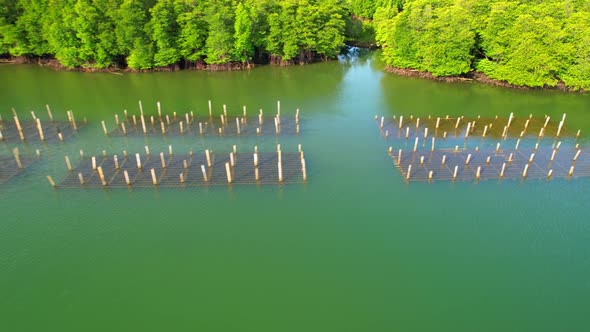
(488, 160)
(208, 155)
(165, 120)
(19, 127)
(471, 126)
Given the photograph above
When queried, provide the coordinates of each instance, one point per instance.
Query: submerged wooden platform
(9, 167)
(404, 127)
(185, 170)
(486, 164)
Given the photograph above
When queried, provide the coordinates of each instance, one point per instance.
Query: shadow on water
(98, 95)
(422, 97)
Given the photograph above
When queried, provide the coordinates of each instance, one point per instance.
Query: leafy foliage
(527, 43)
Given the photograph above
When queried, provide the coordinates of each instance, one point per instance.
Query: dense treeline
(537, 43)
(143, 34)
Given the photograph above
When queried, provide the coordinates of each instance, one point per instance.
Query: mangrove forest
(520, 42)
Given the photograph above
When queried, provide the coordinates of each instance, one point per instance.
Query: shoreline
(474, 76)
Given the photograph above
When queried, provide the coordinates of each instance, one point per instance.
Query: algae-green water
(354, 249)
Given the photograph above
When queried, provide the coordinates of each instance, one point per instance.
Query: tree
(164, 33)
(243, 44)
(193, 30)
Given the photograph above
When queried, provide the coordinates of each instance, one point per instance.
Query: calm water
(355, 249)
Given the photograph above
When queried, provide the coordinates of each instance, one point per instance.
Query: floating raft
(486, 164)
(185, 170)
(12, 166)
(465, 127)
(37, 130)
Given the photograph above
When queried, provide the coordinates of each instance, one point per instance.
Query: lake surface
(354, 249)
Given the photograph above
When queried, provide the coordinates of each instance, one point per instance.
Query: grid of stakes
(172, 170)
(483, 164)
(37, 130)
(465, 127)
(189, 125)
(12, 166)
(467, 165)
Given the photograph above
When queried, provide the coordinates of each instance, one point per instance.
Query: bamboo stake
(104, 128)
(208, 156)
(162, 160)
(138, 161)
(127, 181)
(204, 173)
(18, 126)
(303, 169)
(81, 178)
(228, 173)
(49, 113)
(40, 129)
(51, 182)
(16, 154)
(210, 110)
(93, 160)
(409, 172)
(154, 178)
(68, 164)
(116, 161)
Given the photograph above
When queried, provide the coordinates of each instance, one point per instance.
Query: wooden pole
(444, 158)
(138, 161)
(162, 160)
(204, 173)
(468, 129)
(526, 168)
(140, 107)
(81, 178)
(163, 127)
(503, 169)
(181, 128)
(147, 150)
(51, 182)
(228, 173)
(238, 125)
(208, 156)
(455, 172)
(210, 110)
(577, 155)
(159, 110)
(142, 119)
(68, 164)
(116, 162)
(437, 123)
(104, 128)
(280, 164)
(468, 159)
(49, 113)
(154, 178)
(72, 120)
(93, 160)
(478, 173)
(571, 172)
(224, 111)
(399, 156)
(170, 150)
(18, 126)
(127, 181)
(401, 120)
(303, 169)
(16, 154)
(409, 172)
(231, 159)
(116, 119)
(407, 132)
(200, 128)
(255, 159)
(416, 144)
(101, 176)
(40, 129)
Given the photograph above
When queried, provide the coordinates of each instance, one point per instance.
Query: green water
(354, 249)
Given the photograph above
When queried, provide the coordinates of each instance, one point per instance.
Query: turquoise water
(354, 249)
